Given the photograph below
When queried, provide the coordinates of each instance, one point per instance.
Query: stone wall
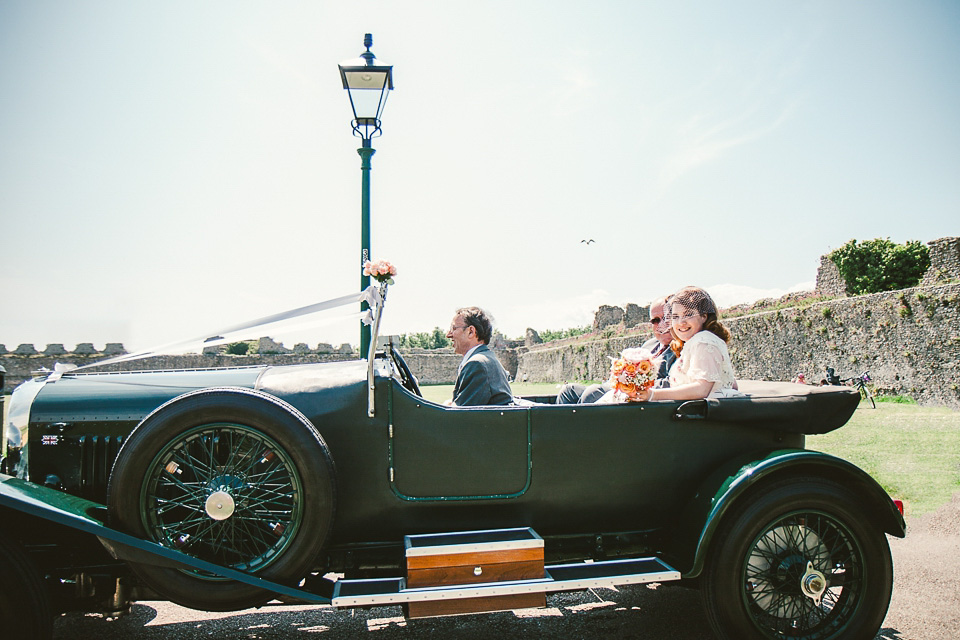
(432, 366)
(829, 280)
(908, 340)
(439, 366)
(21, 368)
(627, 317)
(944, 261)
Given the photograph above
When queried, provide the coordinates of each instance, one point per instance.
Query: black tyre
(25, 611)
(801, 560)
(231, 476)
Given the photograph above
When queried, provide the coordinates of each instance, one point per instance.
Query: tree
(435, 339)
(881, 265)
(438, 340)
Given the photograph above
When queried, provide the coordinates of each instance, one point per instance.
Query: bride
(703, 367)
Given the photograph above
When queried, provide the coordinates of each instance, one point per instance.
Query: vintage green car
(220, 488)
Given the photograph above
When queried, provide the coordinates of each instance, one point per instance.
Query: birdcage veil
(688, 299)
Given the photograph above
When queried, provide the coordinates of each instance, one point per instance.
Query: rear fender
(738, 480)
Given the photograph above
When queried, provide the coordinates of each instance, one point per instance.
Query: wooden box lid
(469, 543)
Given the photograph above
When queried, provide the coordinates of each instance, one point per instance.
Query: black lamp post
(368, 84)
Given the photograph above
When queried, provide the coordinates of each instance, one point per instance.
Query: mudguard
(691, 539)
(84, 515)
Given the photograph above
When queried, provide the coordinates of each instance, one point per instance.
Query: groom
(658, 348)
(481, 379)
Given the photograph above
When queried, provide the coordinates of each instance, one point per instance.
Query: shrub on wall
(881, 265)
(238, 348)
(549, 335)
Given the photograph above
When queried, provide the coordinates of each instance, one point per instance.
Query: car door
(452, 453)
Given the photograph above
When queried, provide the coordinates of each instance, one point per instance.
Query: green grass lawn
(912, 451)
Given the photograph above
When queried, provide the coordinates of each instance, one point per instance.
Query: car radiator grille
(97, 454)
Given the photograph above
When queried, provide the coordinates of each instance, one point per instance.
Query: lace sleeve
(705, 362)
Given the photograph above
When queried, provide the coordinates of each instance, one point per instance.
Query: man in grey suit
(481, 379)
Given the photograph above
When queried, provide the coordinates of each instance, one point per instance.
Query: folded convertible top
(783, 406)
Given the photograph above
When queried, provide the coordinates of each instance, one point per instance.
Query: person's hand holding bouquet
(632, 375)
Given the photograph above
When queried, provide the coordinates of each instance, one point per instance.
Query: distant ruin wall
(909, 341)
(829, 280)
(440, 366)
(429, 366)
(21, 368)
(944, 261)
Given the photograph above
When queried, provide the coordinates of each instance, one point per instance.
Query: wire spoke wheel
(223, 493)
(798, 559)
(803, 577)
(235, 477)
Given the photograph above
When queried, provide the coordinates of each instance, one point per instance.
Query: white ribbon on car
(371, 295)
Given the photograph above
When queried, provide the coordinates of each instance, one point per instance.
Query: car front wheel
(231, 476)
(25, 609)
(800, 560)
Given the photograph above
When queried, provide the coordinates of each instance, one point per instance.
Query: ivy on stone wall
(549, 335)
(879, 265)
(238, 348)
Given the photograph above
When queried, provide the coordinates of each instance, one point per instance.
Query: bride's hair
(700, 301)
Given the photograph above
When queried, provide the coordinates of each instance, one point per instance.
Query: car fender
(739, 479)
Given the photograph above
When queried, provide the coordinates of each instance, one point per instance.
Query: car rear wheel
(801, 560)
(231, 476)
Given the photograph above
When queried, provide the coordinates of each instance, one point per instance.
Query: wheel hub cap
(813, 584)
(220, 505)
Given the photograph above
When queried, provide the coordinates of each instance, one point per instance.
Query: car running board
(561, 577)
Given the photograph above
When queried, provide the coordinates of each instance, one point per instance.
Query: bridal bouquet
(382, 270)
(632, 372)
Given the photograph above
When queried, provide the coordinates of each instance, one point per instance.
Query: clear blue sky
(168, 168)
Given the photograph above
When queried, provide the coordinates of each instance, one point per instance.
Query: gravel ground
(925, 606)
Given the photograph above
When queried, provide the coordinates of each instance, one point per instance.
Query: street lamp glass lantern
(367, 83)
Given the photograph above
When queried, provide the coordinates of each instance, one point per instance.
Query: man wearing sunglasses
(658, 347)
(659, 344)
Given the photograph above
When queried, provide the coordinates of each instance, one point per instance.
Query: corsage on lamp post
(367, 83)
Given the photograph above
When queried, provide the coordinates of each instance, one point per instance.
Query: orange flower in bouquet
(632, 372)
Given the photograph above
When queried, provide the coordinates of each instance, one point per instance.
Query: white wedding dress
(705, 357)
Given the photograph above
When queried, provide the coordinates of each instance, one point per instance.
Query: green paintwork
(494, 458)
(366, 153)
(720, 491)
(125, 396)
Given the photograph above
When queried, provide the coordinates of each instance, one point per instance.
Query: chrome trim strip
(544, 585)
